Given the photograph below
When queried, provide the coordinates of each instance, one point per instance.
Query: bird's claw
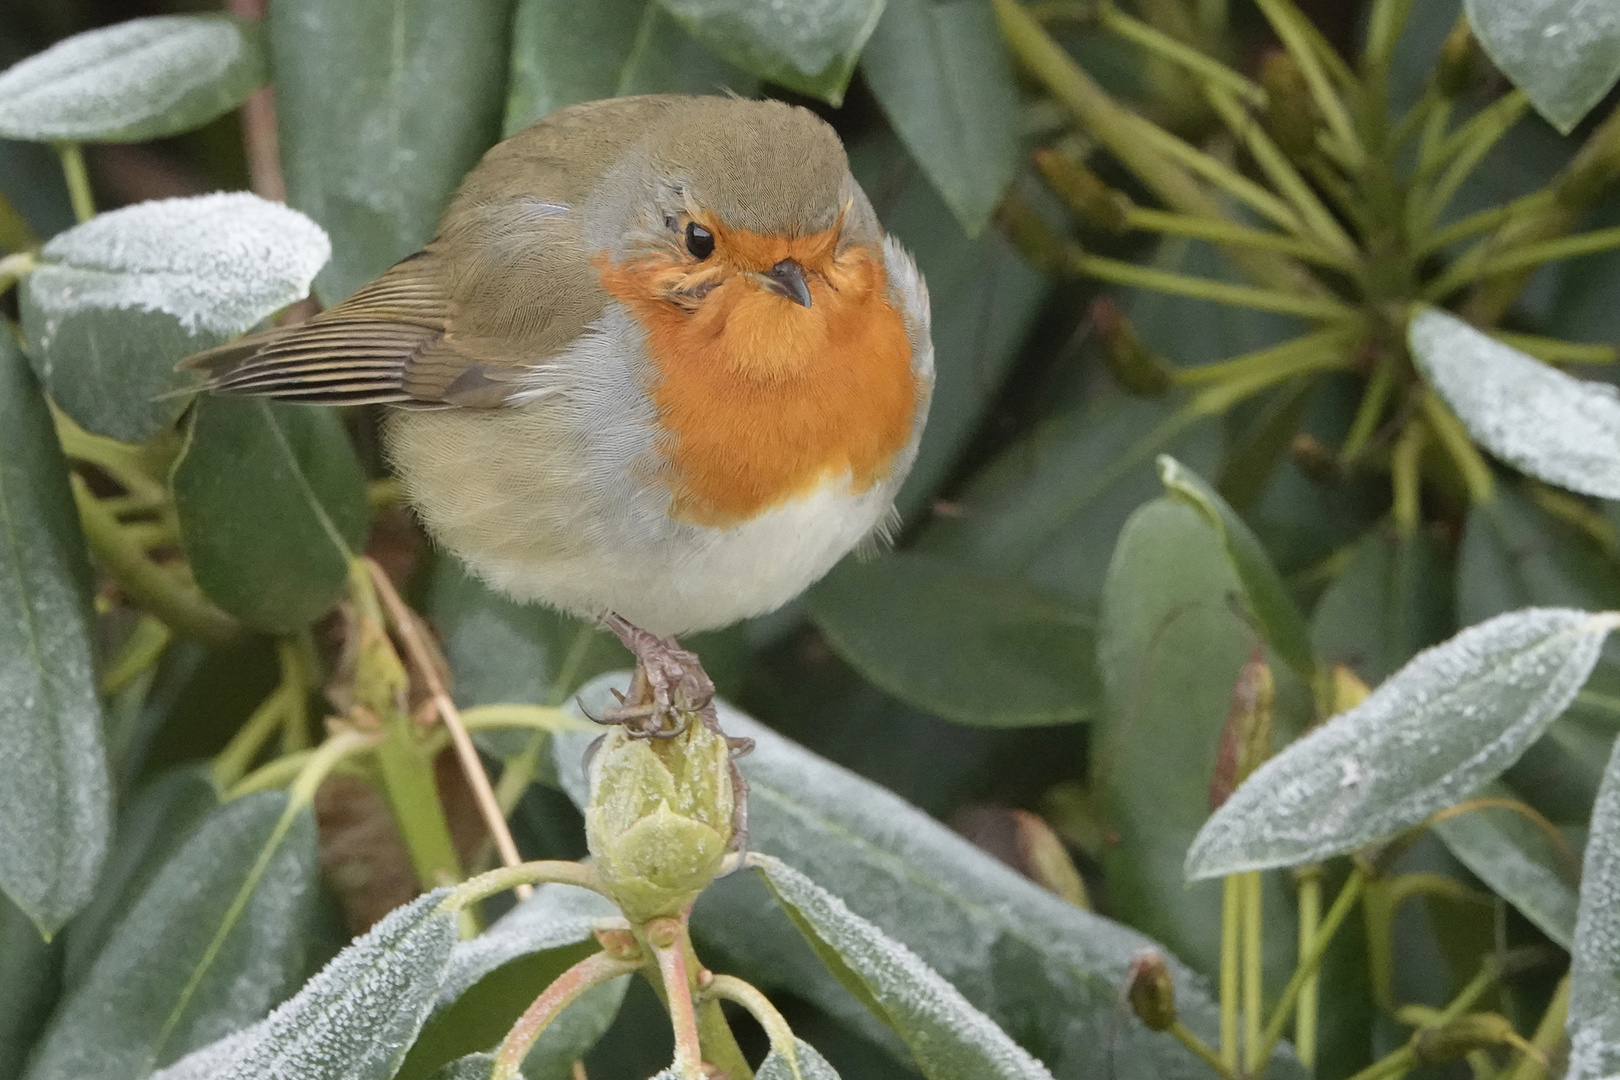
(670, 686)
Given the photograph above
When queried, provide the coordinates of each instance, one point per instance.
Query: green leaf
(272, 506)
(1440, 728)
(1564, 54)
(382, 109)
(1520, 861)
(134, 81)
(965, 645)
(809, 46)
(471, 1067)
(1392, 598)
(947, 1036)
(55, 803)
(120, 299)
(495, 976)
(354, 1020)
(231, 911)
(1557, 428)
(1275, 614)
(1594, 977)
(811, 1065)
(1046, 972)
(565, 52)
(1171, 644)
(940, 70)
(29, 981)
(151, 829)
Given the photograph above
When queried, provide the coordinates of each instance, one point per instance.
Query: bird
(659, 366)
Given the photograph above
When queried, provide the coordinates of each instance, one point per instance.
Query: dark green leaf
(272, 506)
(30, 978)
(157, 821)
(1594, 987)
(1392, 598)
(120, 299)
(1047, 972)
(1172, 639)
(947, 1036)
(941, 72)
(1435, 732)
(1275, 615)
(960, 643)
(382, 108)
(55, 810)
(1564, 54)
(353, 1021)
(137, 80)
(810, 46)
(228, 917)
(565, 52)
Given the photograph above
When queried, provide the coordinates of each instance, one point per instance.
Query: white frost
(1554, 427)
(812, 1066)
(1447, 723)
(1564, 54)
(218, 263)
(556, 915)
(1594, 982)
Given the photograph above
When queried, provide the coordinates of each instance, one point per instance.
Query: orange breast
(761, 399)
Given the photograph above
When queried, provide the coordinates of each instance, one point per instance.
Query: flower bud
(1246, 739)
(1151, 992)
(1136, 367)
(660, 819)
(1290, 115)
(1042, 246)
(1093, 202)
(1459, 66)
(1465, 1034)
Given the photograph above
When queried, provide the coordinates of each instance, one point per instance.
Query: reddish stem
(259, 123)
(592, 971)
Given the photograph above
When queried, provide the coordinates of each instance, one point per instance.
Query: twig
(590, 972)
(259, 123)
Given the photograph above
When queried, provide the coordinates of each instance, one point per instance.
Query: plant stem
(730, 988)
(143, 648)
(672, 969)
(1548, 1037)
(1454, 437)
(1384, 25)
(1556, 350)
(1232, 898)
(1310, 917)
(78, 180)
(1278, 359)
(1371, 410)
(149, 585)
(1219, 173)
(1225, 232)
(233, 762)
(589, 973)
(1209, 1057)
(1177, 52)
(1311, 960)
(541, 872)
(1405, 472)
(1296, 33)
(1220, 292)
(1464, 149)
(413, 794)
(1521, 258)
(1253, 967)
(1521, 209)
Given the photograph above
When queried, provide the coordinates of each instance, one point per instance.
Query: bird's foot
(669, 687)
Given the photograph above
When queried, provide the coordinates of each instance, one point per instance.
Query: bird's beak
(786, 278)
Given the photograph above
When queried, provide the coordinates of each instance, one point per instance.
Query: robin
(660, 366)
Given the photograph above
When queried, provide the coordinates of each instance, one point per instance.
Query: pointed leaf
(55, 806)
(811, 1065)
(810, 46)
(1274, 611)
(382, 109)
(134, 81)
(1443, 726)
(940, 70)
(120, 299)
(1520, 861)
(948, 1037)
(232, 912)
(1564, 54)
(272, 506)
(965, 645)
(565, 52)
(353, 1021)
(1563, 430)
(1594, 986)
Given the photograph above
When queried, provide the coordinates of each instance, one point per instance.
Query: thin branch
(1221, 292)
(259, 136)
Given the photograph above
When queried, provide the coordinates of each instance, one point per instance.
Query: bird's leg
(669, 684)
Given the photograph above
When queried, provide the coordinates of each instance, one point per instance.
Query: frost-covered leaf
(1560, 429)
(272, 506)
(495, 976)
(947, 1036)
(1047, 972)
(137, 80)
(1444, 725)
(1274, 611)
(1564, 54)
(565, 52)
(120, 299)
(940, 70)
(354, 1020)
(811, 1065)
(809, 45)
(55, 803)
(962, 644)
(1520, 861)
(230, 913)
(471, 1067)
(382, 109)
(1594, 990)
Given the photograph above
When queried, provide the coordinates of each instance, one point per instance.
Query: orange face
(761, 397)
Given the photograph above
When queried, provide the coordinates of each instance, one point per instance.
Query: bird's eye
(699, 241)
